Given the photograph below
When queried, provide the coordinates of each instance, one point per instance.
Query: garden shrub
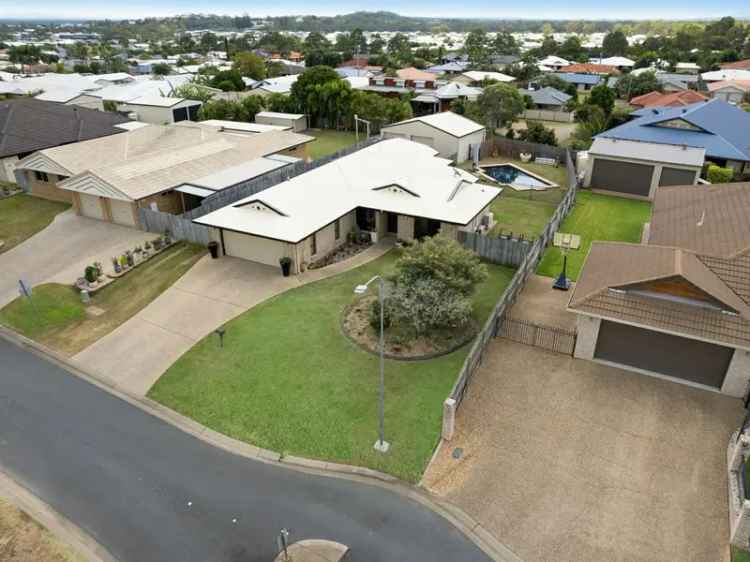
(717, 174)
(428, 304)
(375, 315)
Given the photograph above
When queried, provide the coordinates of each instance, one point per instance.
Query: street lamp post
(381, 444)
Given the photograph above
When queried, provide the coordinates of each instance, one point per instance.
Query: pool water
(515, 177)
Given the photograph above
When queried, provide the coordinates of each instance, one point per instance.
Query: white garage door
(122, 212)
(90, 206)
(253, 248)
(429, 141)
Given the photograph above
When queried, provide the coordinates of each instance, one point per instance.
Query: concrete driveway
(61, 252)
(571, 461)
(213, 292)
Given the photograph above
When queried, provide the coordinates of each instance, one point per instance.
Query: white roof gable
(446, 121)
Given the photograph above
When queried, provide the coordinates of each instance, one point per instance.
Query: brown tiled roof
(674, 99)
(590, 68)
(711, 220)
(412, 73)
(738, 65)
(605, 289)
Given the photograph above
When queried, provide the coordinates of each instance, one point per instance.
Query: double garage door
(682, 358)
(253, 248)
(635, 179)
(429, 141)
(92, 206)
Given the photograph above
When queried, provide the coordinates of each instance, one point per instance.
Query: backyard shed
(295, 121)
(637, 169)
(450, 134)
(160, 110)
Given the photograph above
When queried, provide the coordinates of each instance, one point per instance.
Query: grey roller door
(675, 176)
(623, 177)
(674, 356)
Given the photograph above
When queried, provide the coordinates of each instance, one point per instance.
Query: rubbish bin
(213, 247)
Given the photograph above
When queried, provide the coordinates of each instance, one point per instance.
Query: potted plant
(167, 237)
(157, 244)
(286, 265)
(130, 259)
(91, 275)
(123, 261)
(99, 270)
(116, 265)
(146, 249)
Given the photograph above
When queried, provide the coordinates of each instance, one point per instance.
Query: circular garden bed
(355, 324)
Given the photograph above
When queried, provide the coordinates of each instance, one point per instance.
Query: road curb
(61, 527)
(457, 517)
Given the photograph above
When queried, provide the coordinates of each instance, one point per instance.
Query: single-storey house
(415, 74)
(726, 74)
(553, 63)
(478, 77)
(162, 110)
(637, 169)
(736, 65)
(452, 135)
(680, 98)
(278, 85)
(677, 307)
(730, 91)
(294, 121)
(721, 129)
(590, 68)
(620, 63)
(110, 178)
(583, 82)
(394, 187)
(455, 67)
(28, 125)
(547, 98)
(435, 101)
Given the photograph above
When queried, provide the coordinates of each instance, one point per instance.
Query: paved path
(150, 492)
(61, 252)
(572, 461)
(213, 292)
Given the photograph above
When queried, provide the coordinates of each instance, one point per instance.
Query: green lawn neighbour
(56, 317)
(287, 379)
(596, 217)
(740, 555)
(526, 213)
(328, 141)
(22, 216)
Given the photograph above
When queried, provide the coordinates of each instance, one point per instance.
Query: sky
(542, 9)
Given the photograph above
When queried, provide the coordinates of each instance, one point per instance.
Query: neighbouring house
(395, 87)
(278, 85)
(677, 82)
(638, 169)
(667, 99)
(455, 67)
(678, 306)
(721, 129)
(726, 74)
(295, 121)
(452, 135)
(435, 101)
(502, 62)
(582, 82)
(161, 110)
(414, 194)
(110, 178)
(620, 63)
(241, 127)
(590, 68)
(730, 91)
(737, 65)
(553, 63)
(28, 125)
(548, 98)
(687, 67)
(479, 77)
(415, 74)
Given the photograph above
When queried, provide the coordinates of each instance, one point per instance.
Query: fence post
(449, 419)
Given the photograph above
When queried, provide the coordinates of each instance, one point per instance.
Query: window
(337, 229)
(314, 243)
(41, 176)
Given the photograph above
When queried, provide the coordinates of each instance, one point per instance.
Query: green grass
(739, 555)
(526, 213)
(289, 380)
(328, 141)
(22, 216)
(56, 317)
(596, 217)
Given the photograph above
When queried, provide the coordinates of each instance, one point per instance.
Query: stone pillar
(449, 418)
(588, 332)
(738, 374)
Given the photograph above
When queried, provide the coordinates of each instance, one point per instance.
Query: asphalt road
(147, 491)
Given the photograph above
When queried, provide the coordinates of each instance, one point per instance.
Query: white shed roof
(479, 75)
(154, 100)
(652, 152)
(394, 175)
(241, 126)
(446, 121)
(277, 115)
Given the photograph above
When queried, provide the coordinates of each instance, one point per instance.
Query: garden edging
(468, 526)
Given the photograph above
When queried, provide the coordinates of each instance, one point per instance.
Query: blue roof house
(582, 81)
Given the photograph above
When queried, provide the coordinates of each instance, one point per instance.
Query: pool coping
(550, 184)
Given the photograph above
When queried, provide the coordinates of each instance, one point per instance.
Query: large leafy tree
(615, 43)
(250, 65)
(505, 44)
(604, 97)
(477, 47)
(499, 105)
(631, 85)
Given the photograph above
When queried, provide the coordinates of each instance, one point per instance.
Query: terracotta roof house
(28, 125)
(737, 65)
(590, 68)
(672, 99)
(412, 73)
(677, 306)
(731, 91)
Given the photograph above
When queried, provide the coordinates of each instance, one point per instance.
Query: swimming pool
(515, 177)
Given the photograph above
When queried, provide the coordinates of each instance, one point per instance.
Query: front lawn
(328, 141)
(56, 317)
(287, 379)
(526, 213)
(739, 555)
(22, 216)
(596, 217)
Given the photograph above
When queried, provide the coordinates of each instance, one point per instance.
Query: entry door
(425, 227)
(392, 223)
(366, 219)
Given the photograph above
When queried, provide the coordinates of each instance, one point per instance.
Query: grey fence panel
(549, 115)
(500, 250)
(181, 228)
